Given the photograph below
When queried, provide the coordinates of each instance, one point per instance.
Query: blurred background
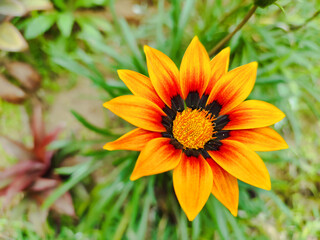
(58, 62)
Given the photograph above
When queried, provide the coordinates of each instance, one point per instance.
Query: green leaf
(282, 206)
(310, 89)
(11, 8)
(65, 23)
(132, 43)
(104, 48)
(235, 227)
(61, 4)
(179, 32)
(274, 79)
(183, 227)
(90, 126)
(39, 25)
(217, 213)
(101, 23)
(88, 29)
(71, 65)
(89, 4)
(279, 6)
(196, 228)
(82, 171)
(116, 209)
(143, 224)
(11, 39)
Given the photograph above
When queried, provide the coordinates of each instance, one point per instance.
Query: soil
(82, 98)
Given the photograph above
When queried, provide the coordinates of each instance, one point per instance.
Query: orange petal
(253, 114)
(259, 139)
(163, 73)
(219, 66)
(234, 87)
(243, 163)
(192, 182)
(137, 111)
(158, 156)
(195, 71)
(225, 187)
(140, 85)
(134, 140)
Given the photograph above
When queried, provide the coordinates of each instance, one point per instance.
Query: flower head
(197, 123)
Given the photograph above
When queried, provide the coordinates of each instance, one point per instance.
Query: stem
(294, 28)
(230, 35)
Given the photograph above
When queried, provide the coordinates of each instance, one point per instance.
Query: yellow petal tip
(227, 50)
(267, 186)
(234, 212)
(285, 146)
(254, 65)
(191, 217)
(120, 71)
(135, 174)
(106, 105)
(195, 38)
(147, 48)
(107, 147)
(133, 177)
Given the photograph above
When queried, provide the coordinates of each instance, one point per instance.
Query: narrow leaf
(90, 126)
(39, 25)
(65, 23)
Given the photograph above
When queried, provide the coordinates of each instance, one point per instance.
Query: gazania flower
(195, 122)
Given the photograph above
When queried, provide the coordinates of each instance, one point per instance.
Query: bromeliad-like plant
(33, 174)
(197, 123)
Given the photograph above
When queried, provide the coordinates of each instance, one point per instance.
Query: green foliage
(109, 206)
(65, 23)
(39, 25)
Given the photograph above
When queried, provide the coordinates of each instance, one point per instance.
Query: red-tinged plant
(33, 173)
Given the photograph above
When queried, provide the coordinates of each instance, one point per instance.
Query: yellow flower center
(193, 128)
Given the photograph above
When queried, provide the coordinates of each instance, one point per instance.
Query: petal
(192, 182)
(243, 163)
(195, 71)
(253, 114)
(134, 140)
(234, 87)
(219, 66)
(225, 187)
(163, 73)
(140, 85)
(259, 139)
(157, 157)
(137, 111)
